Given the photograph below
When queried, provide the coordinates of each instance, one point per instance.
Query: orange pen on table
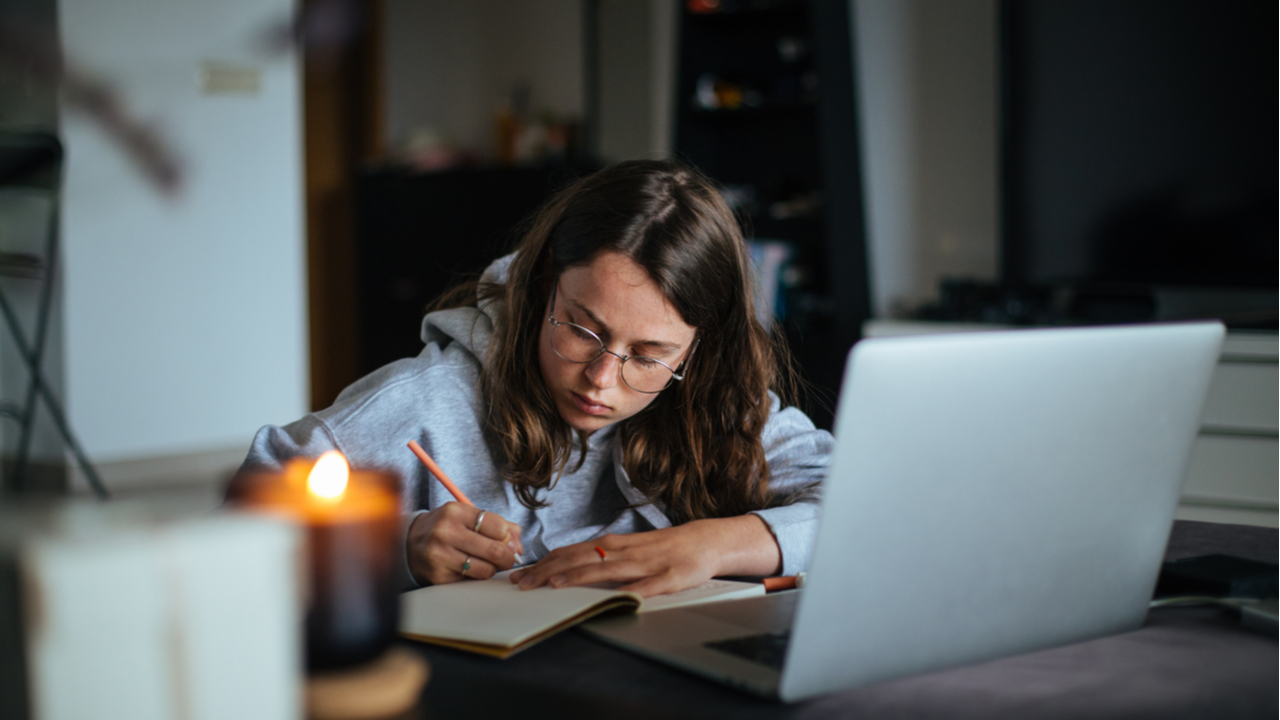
(783, 582)
(454, 490)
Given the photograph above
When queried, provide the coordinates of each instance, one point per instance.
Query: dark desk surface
(1183, 663)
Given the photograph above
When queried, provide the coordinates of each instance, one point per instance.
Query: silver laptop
(989, 494)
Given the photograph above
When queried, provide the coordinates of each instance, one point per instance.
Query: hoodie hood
(470, 327)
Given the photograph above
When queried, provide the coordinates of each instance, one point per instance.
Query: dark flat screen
(1139, 142)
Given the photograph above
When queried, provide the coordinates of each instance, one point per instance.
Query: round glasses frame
(676, 373)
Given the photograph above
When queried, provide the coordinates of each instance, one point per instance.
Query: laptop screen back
(995, 493)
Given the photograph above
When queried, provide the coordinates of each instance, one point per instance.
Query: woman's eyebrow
(658, 345)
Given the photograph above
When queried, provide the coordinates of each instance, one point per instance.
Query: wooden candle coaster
(381, 688)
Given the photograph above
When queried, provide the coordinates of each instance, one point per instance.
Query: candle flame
(328, 479)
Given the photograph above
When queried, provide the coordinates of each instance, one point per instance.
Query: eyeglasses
(579, 345)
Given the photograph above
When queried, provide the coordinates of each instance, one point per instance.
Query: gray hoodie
(435, 399)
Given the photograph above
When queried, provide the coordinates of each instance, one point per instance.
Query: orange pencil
(454, 490)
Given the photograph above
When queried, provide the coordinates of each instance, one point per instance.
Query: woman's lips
(588, 406)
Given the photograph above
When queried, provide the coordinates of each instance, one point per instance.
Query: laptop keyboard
(768, 649)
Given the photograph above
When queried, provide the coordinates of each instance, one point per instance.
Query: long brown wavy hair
(697, 446)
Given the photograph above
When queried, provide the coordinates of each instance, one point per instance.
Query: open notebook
(494, 617)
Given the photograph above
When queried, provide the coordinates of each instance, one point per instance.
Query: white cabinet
(1234, 471)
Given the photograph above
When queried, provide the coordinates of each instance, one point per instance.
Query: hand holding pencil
(457, 539)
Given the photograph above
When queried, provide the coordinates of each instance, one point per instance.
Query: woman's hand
(661, 561)
(444, 540)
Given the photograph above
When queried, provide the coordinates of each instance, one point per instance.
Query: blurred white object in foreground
(142, 611)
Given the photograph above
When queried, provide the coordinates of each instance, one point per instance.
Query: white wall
(185, 318)
(926, 73)
(637, 79)
(626, 36)
(451, 64)
(664, 18)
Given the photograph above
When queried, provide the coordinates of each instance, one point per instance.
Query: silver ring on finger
(466, 565)
(479, 519)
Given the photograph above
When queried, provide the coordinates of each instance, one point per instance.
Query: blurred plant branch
(39, 54)
(324, 27)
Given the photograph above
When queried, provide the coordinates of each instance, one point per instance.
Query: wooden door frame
(343, 130)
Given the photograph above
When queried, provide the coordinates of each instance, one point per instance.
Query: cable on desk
(1234, 604)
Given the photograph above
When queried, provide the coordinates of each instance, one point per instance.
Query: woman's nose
(603, 371)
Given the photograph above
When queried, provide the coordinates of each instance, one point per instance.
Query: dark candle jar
(352, 527)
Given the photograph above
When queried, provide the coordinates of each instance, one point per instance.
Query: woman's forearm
(744, 546)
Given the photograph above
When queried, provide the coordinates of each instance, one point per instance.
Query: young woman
(603, 395)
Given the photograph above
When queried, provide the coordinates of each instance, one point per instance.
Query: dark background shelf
(801, 141)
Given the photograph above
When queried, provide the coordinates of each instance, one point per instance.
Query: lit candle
(351, 522)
